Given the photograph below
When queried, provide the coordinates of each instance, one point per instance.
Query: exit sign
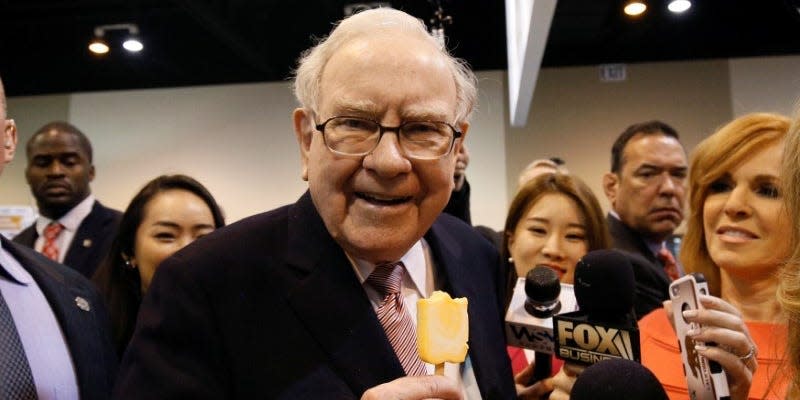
(612, 72)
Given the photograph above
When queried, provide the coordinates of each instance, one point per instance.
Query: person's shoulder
(44, 268)
(265, 224)
(242, 240)
(451, 230)
(26, 236)
(655, 320)
(455, 227)
(106, 211)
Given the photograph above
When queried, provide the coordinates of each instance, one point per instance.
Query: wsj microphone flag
(529, 331)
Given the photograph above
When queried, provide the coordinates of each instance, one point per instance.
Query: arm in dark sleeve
(175, 350)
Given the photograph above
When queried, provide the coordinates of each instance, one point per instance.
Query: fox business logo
(590, 344)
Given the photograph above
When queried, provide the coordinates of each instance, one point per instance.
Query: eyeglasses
(423, 140)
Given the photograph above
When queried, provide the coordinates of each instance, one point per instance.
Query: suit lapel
(84, 241)
(471, 280)
(626, 239)
(330, 300)
(71, 306)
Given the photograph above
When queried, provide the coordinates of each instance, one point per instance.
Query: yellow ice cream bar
(442, 328)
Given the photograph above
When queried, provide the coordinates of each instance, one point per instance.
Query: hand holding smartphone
(705, 379)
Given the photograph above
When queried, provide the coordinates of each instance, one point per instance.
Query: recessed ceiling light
(97, 46)
(133, 45)
(635, 8)
(679, 6)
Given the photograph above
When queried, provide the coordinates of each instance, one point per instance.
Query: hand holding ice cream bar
(442, 329)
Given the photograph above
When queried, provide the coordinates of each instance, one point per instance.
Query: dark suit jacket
(87, 333)
(90, 244)
(652, 283)
(270, 307)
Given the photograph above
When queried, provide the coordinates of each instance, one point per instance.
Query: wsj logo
(591, 343)
(530, 337)
(522, 333)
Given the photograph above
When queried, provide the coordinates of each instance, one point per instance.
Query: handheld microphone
(617, 378)
(529, 320)
(605, 327)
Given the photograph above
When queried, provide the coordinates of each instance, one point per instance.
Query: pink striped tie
(395, 319)
(51, 232)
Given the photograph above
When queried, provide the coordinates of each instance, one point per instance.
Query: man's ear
(463, 127)
(10, 140)
(611, 187)
(304, 131)
(91, 172)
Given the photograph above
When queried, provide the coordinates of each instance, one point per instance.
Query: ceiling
(199, 42)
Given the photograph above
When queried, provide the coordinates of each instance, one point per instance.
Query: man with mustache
(73, 228)
(646, 189)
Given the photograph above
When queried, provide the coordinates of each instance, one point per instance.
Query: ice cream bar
(442, 328)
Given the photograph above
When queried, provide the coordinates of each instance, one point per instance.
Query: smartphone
(705, 378)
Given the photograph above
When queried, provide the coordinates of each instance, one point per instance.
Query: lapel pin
(87, 242)
(82, 303)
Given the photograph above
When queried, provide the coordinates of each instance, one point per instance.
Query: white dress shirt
(71, 221)
(419, 281)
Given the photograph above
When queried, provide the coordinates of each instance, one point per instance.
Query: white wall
(765, 84)
(236, 139)
(577, 117)
(487, 147)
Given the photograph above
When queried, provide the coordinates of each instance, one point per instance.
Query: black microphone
(617, 379)
(605, 327)
(542, 288)
(529, 321)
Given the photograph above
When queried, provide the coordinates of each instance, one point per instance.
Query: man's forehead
(655, 146)
(359, 106)
(53, 139)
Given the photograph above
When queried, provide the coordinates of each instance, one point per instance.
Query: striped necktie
(16, 379)
(51, 232)
(387, 280)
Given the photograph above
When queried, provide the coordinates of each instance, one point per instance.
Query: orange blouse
(660, 354)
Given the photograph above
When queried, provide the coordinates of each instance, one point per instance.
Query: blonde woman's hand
(735, 350)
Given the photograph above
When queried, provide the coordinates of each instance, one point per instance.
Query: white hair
(312, 62)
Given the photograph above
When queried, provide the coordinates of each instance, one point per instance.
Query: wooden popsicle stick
(440, 369)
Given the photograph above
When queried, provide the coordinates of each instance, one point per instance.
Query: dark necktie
(387, 279)
(16, 379)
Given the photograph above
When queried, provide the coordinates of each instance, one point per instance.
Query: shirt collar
(72, 219)
(413, 260)
(11, 268)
